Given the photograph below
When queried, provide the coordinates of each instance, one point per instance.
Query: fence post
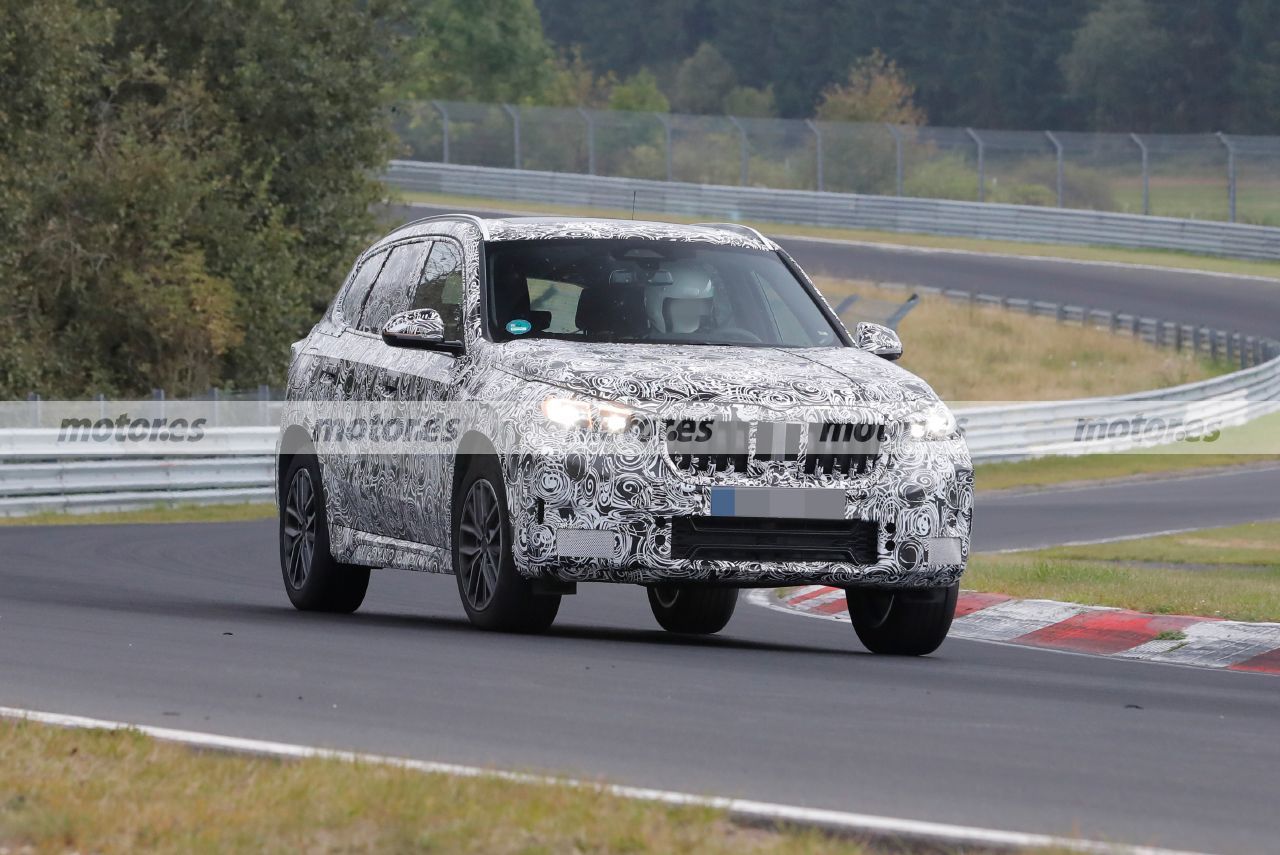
(444, 122)
(666, 127)
(817, 141)
(1057, 147)
(515, 133)
(743, 156)
(591, 140)
(982, 166)
(1231, 174)
(1146, 175)
(897, 159)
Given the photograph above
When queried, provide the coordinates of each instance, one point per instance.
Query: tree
(876, 90)
(457, 51)
(750, 102)
(183, 187)
(639, 93)
(1256, 76)
(702, 82)
(1120, 65)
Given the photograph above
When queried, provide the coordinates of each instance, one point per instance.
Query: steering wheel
(740, 333)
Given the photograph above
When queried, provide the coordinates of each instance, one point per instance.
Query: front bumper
(584, 517)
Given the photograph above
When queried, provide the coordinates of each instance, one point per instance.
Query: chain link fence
(1195, 176)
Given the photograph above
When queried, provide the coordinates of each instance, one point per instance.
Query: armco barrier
(804, 207)
(244, 471)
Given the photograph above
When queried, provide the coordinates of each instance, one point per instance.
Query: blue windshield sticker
(519, 326)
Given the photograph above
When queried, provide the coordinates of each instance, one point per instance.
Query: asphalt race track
(187, 626)
(1239, 304)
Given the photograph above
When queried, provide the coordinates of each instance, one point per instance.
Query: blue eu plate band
(778, 502)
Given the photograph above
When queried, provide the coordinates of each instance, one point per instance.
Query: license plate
(813, 503)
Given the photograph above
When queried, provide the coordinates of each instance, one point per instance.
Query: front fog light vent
(585, 543)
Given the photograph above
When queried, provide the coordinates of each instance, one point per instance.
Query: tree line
(1123, 65)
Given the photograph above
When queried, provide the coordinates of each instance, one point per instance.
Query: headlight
(587, 415)
(933, 422)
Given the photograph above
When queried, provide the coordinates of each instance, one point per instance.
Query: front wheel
(692, 609)
(902, 622)
(494, 594)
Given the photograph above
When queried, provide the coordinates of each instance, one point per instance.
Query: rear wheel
(312, 579)
(692, 609)
(494, 594)
(902, 622)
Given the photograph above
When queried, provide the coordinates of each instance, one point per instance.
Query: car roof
(592, 228)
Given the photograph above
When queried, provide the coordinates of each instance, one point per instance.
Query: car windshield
(650, 291)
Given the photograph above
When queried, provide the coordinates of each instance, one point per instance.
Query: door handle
(388, 384)
(329, 368)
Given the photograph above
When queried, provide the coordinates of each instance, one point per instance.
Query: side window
(441, 287)
(390, 292)
(353, 296)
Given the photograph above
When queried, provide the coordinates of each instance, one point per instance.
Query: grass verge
(1157, 258)
(992, 354)
(118, 791)
(160, 514)
(1231, 573)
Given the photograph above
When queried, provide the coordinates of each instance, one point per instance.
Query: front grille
(711, 447)
(767, 539)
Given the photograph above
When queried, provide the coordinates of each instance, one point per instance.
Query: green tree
(1120, 65)
(751, 102)
(702, 82)
(183, 186)
(639, 93)
(1256, 76)
(475, 50)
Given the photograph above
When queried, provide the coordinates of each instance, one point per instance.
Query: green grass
(64, 790)
(159, 514)
(1257, 202)
(1231, 573)
(1158, 258)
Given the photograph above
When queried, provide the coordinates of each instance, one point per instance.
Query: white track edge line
(924, 250)
(741, 809)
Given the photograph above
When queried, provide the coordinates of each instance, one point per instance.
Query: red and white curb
(1177, 639)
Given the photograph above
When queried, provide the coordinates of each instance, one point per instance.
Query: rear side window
(353, 296)
(441, 287)
(390, 294)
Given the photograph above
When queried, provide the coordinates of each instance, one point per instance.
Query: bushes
(181, 187)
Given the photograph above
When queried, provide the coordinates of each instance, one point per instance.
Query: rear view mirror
(877, 339)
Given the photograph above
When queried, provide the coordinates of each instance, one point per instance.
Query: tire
(312, 579)
(905, 622)
(692, 609)
(493, 593)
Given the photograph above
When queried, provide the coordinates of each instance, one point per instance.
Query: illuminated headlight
(933, 422)
(587, 415)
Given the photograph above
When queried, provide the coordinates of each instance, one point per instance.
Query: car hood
(660, 374)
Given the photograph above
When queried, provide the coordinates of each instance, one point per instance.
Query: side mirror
(420, 328)
(877, 339)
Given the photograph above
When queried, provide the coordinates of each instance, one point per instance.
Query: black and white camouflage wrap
(394, 510)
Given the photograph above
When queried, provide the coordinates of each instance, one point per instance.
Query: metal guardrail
(995, 433)
(839, 210)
